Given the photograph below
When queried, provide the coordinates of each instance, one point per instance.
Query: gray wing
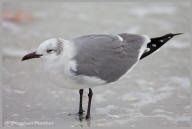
(107, 57)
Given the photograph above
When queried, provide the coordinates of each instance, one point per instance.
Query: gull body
(63, 64)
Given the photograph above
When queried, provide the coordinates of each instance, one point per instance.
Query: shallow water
(155, 93)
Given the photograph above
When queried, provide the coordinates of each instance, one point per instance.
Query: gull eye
(49, 50)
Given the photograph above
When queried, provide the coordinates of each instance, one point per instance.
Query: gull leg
(81, 102)
(89, 103)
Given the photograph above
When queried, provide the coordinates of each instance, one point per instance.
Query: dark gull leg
(81, 102)
(89, 103)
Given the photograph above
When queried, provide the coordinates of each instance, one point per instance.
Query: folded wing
(108, 57)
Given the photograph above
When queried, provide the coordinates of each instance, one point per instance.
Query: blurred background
(155, 93)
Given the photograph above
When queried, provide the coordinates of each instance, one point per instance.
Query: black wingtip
(158, 42)
(176, 34)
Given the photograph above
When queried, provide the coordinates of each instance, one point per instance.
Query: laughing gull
(94, 60)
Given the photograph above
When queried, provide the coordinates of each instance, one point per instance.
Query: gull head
(49, 50)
